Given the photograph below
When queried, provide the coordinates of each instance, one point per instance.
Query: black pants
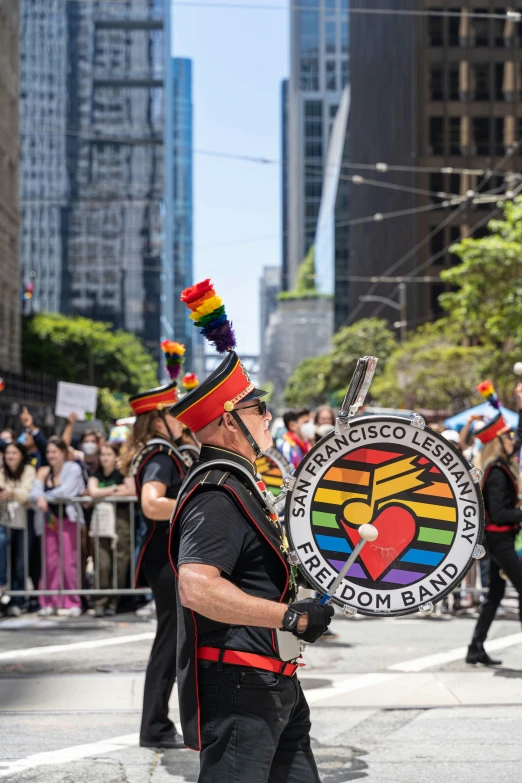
(255, 727)
(161, 668)
(501, 548)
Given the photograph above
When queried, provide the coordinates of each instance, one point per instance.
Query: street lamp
(400, 306)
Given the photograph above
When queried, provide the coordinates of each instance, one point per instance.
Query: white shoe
(46, 611)
(148, 610)
(74, 611)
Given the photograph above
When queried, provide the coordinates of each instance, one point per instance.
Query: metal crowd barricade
(81, 549)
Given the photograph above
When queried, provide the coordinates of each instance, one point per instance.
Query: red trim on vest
(492, 528)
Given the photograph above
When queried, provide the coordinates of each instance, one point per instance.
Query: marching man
(241, 703)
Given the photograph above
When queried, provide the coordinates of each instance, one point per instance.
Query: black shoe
(477, 654)
(173, 741)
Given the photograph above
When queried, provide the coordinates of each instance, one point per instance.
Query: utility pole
(402, 304)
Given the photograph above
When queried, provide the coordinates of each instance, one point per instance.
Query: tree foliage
(78, 350)
(308, 383)
(306, 285)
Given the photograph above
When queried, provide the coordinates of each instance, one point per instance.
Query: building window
(330, 29)
(481, 135)
(480, 27)
(499, 81)
(481, 91)
(437, 243)
(313, 149)
(309, 73)
(454, 83)
(454, 27)
(331, 6)
(313, 129)
(454, 184)
(313, 109)
(333, 110)
(436, 185)
(309, 27)
(331, 80)
(436, 29)
(455, 237)
(436, 84)
(455, 147)
(313, 190)
(436, 136)
(500, 146)
(344, 72)
(344, 37)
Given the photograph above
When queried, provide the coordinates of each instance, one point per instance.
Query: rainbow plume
(208, 314)
(487, 390)
(190, 381)
(174, 353)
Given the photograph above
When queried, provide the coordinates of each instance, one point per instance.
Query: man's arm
(203, 590)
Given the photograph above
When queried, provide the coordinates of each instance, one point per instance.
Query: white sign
(76, 398)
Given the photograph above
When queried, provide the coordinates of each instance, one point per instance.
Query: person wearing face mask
(294, 445)
(503, 520)
(90, 446)
(151, 456)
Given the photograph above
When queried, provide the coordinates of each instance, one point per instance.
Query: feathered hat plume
(208, 314)
(487, 390)
(190, 381)
(174, 353)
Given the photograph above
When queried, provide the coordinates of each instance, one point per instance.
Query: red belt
(247, 659)
(492, 528)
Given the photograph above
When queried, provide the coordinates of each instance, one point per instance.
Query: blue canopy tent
(458, 421)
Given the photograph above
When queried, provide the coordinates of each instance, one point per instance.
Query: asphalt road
(392, 702)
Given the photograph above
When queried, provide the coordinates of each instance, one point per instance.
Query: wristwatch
(290, 619)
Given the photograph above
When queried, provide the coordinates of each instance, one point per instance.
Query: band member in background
(151, 456)
(240, 703)
(503, 520)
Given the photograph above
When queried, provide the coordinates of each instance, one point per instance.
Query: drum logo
(421, 500)
(273, 467)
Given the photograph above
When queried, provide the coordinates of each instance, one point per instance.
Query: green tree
(306, 285)
(308, 383)
(430, 370)
(78, 350)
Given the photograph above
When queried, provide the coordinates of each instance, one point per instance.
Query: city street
(392, 700)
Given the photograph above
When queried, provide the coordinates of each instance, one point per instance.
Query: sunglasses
(260, 405)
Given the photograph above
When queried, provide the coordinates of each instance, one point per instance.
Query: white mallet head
(517, 369)
(368, 532)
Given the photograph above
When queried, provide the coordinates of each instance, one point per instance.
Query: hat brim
(255, 394)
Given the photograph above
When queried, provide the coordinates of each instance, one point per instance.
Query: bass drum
(414, 487)
(273, 468)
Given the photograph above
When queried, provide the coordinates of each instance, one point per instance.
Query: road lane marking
(345, 686)
(459, 653)
(34, 652)
(66, 755)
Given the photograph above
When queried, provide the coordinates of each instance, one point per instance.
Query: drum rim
(480, 515)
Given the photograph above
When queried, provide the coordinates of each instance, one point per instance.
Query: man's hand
(27, 419)
(315, 618)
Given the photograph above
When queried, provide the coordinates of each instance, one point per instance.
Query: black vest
(226, 473)
(157, 536)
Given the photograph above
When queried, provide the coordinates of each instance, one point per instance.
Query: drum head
(413, 486)
(273, 468)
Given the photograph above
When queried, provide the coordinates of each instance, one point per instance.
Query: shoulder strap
(153, 447)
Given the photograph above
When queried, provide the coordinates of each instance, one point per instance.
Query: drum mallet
(367, 533)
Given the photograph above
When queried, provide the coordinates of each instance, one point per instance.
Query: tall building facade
(318, 73)
(284, 185)
(181, 163)
(94, 125)
(446, 106)
(44, 187)
(9, 198)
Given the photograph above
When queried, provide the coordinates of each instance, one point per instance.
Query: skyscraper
(9, 201)
(284, 185)
(318, 73)
(446, 106)
(182, 199)
(44, 186)
(93, 123)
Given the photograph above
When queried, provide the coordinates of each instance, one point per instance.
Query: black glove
(319, 618)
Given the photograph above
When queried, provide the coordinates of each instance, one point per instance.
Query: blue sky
(239, 58)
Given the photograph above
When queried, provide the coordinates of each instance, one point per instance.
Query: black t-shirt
(162, 468)
(109, 481)
(214, 532)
